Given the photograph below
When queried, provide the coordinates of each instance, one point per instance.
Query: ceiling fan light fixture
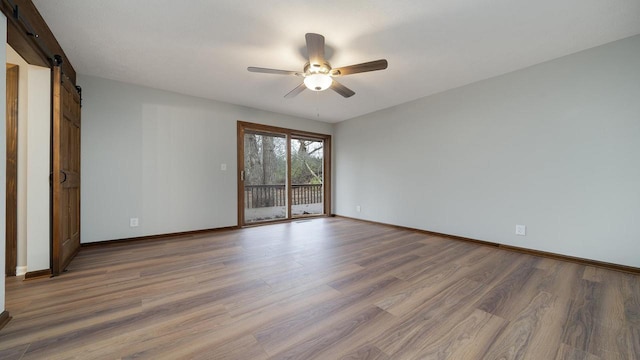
(318, 82)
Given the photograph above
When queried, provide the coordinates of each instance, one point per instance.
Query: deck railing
(257, 196)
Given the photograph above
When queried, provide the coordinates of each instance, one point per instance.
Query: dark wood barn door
(66, 171)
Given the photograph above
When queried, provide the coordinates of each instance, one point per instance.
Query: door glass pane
(265, 179)
(307, 177)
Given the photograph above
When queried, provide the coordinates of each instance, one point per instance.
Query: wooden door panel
(66, 172)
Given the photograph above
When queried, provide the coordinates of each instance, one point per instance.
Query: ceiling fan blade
(315, 48)
(341, 89)
(300, 88)
(360, 68)
(272, 71)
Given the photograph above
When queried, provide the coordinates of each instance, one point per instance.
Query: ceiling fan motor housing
(323, 68)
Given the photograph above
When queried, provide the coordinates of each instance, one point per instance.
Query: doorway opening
(11, 231)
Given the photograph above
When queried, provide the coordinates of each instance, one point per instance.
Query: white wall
(156, 155)
(38, 165)
(555, 147)
(3, 164)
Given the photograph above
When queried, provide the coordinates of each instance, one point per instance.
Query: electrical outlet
(521, 230)
(223, 167)
(357, 208)
(133, 222)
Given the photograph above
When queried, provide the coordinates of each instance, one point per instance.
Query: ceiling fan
(318, 74)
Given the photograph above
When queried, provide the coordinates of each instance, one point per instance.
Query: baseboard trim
(30, 275)
(574, 259)
(158, 237)
(4, 318)
(195, 232)
(21, 270)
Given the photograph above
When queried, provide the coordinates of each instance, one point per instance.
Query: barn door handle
(65, 177)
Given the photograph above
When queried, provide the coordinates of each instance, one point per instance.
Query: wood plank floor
(328, 288)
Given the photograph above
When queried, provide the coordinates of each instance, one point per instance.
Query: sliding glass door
(307, 176)
(282, 174)
(265, 180)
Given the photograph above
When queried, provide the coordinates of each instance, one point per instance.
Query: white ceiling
(203, 47)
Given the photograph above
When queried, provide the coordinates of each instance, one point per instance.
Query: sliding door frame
(243, 127)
